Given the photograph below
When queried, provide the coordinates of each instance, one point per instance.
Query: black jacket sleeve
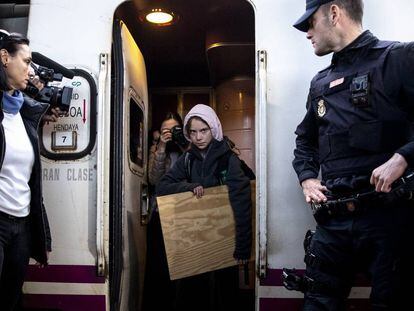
(240, 199)
(306, 161)
(399, 77)
(47, 229)
(175, 180)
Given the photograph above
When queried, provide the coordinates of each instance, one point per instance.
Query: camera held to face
(178, 136)
(55, 96)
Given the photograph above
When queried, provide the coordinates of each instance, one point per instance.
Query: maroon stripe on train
(63, 274)
(64, 302)
(285, 304)
(274, 278)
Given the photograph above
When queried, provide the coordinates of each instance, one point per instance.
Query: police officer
(356, 133)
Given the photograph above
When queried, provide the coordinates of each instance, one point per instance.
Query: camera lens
(178, 136)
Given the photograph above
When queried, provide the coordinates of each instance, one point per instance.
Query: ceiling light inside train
(160, 17)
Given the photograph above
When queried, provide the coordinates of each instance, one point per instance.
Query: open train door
(128, 202)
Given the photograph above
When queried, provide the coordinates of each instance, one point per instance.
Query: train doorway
(205, 55)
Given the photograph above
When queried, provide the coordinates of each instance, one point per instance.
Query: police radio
(360, 91)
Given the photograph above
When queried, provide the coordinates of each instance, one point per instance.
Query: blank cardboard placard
(199, 234)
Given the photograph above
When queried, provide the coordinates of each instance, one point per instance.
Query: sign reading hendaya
(199, 234)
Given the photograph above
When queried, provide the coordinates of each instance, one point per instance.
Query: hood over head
(208, 115)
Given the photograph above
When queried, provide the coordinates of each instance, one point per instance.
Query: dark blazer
(32, 112)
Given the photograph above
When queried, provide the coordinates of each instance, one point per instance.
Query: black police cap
(312, 6)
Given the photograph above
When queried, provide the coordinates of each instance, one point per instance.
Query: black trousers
(211, 291)
(14, 258)
(377, 241)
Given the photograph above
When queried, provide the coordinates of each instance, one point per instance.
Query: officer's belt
(293, 281)
(403, 189)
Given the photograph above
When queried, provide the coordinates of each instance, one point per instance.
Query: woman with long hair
(24, 228)
(171, 143)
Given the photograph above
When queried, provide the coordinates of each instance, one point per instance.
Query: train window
(136, 133)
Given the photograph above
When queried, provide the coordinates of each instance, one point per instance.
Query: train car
(241, 57)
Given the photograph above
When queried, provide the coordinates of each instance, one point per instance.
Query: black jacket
(348, 139)
(32, 112)
(203, 173)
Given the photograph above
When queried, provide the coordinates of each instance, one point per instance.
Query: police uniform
(359, 112)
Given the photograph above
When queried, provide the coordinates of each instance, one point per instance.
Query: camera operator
(53, 114)
(24, 228)
(169, 147)
(171, 144)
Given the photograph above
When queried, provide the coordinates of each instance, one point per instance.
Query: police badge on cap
(312, 6)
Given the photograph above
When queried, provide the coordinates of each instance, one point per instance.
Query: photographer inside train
(167, 146)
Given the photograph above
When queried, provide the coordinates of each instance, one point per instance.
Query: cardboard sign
(199, 234)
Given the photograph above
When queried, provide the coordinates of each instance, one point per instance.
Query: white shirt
(17, 168)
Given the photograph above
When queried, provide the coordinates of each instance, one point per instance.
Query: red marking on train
(84, 111)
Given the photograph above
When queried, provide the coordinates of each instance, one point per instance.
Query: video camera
(55, 96)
